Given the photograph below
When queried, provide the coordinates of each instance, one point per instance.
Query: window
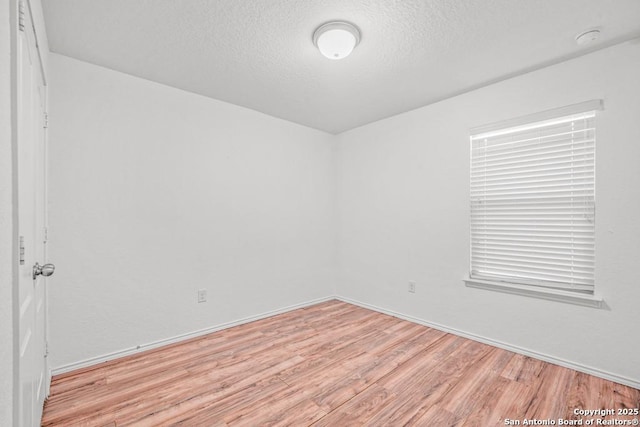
(533, 202)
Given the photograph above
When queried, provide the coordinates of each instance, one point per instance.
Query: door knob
(46, 270)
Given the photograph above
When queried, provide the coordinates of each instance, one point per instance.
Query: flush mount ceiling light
(336, 40)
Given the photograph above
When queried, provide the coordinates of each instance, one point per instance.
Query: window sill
(536, 292)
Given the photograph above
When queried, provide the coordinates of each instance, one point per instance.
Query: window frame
(591, 299)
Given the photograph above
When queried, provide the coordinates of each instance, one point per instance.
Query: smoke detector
(588, 36)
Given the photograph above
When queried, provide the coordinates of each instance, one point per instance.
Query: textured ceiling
(259, 53)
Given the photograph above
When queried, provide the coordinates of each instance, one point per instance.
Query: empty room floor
(330, 364)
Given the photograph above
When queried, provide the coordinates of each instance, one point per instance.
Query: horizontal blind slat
(542, 247)
(485, 176)
(582, 148)
(580, 256)
(555, 264)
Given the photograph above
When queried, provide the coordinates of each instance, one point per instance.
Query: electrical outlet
(202, 295)
(412, 286)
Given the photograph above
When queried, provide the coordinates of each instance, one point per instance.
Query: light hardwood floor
(331, 364)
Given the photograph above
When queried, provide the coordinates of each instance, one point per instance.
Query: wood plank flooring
(331, 364)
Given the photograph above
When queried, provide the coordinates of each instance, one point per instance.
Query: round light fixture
(336, 40)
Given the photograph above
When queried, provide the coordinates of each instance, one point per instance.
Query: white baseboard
(544, 357)
(143, 347)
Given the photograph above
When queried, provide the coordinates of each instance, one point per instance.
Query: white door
(31, 97)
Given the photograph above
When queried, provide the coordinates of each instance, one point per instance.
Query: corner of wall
(336, 173)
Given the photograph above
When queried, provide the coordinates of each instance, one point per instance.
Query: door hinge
(46, 348)
(45, 235)
(21, 15)
(21, 250)
(45, 122)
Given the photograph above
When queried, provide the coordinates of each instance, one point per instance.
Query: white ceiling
(259, 53)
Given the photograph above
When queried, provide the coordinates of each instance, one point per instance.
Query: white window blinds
(532, 203)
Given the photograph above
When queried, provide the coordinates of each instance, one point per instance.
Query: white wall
(6, 222)
(156, 193)
(404, 204)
